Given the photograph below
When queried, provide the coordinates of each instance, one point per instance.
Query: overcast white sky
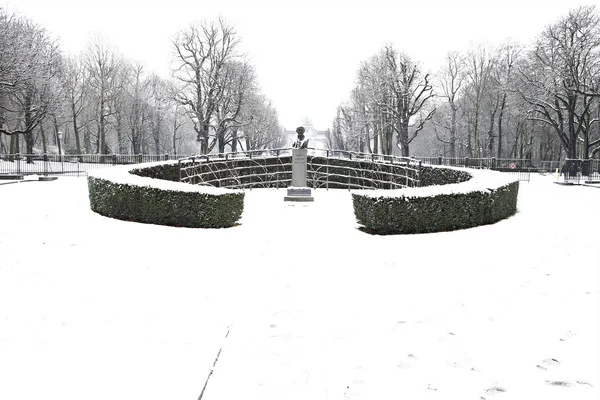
(306, 53)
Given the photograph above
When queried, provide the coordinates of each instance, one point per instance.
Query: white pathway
(95, 308)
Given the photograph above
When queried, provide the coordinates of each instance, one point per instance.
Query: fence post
(494, 163)
(327, 173)
(194, 180)
(139, 158)
(466, 161)
(18, 159)
(179, 166)
(166, 157)
(439, 160)
(114, 159)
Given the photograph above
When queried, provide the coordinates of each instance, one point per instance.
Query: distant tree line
(540, 102)
(101, 102)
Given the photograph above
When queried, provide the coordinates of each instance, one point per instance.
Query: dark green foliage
(393, 215)
(166, 172)
(430, 176)
(164, 207)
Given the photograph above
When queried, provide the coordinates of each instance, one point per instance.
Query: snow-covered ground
(95, 308)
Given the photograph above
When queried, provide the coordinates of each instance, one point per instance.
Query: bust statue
(301, 142)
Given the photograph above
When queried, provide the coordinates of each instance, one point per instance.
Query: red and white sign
(513, 165)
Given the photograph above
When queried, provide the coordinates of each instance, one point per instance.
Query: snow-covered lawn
(95, 308)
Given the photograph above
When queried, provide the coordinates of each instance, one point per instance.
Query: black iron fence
(325, 169)
(517, 166)
(71, 164)
(580, 171)
(571, 170)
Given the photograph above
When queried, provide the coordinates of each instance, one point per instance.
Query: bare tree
(28, 78)
(479, 67)
(559, 75)
(237, 82)
(451, 79)
(260, 126)
(202, 54)
(503, 77)
(412, 93)
(104, 67)
(74, 84)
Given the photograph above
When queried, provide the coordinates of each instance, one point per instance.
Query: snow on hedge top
(481, 181)
(122, 175)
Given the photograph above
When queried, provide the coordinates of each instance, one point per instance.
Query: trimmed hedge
(166, 172)
(430, 176)
(446, 210)
(116, 193)
(457, 198)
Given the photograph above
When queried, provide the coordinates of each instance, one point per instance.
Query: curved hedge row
(448, 199)
(454, 202)
(140, 193)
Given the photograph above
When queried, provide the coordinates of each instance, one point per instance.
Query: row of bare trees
(101, 102)
(539, 102)
(389, 106)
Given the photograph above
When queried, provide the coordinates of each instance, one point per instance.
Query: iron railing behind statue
(328, 169)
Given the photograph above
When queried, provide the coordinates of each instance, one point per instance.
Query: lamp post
(59, 136)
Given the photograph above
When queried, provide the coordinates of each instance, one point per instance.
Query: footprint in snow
(567, 335)
(494, 390)
(559, 383)
(550, 362)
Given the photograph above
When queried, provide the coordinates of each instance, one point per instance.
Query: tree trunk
(44, 141)
(368, 139)
(87, 140)
(175, 135)
(203, 137)
(490, 145)
(375, 139)
(14, 146)
(500, 116)
(120, 141)
(572, 149)
(29, 139)
(2, 145)
(403, 138)
(76, 129)
(476, 132)
(234, 140)
(453, 131)
(221, 131)
(102, 134)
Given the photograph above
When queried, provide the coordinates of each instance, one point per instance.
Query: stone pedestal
(298, 191)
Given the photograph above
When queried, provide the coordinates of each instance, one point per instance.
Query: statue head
(300, 131)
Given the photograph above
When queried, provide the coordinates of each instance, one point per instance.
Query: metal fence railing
(520, 167)
(325, 169)
(580, 171)
(70, 164)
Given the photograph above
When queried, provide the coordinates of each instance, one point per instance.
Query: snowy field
(95, 308)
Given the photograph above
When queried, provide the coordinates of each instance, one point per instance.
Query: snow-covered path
(97, 308)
